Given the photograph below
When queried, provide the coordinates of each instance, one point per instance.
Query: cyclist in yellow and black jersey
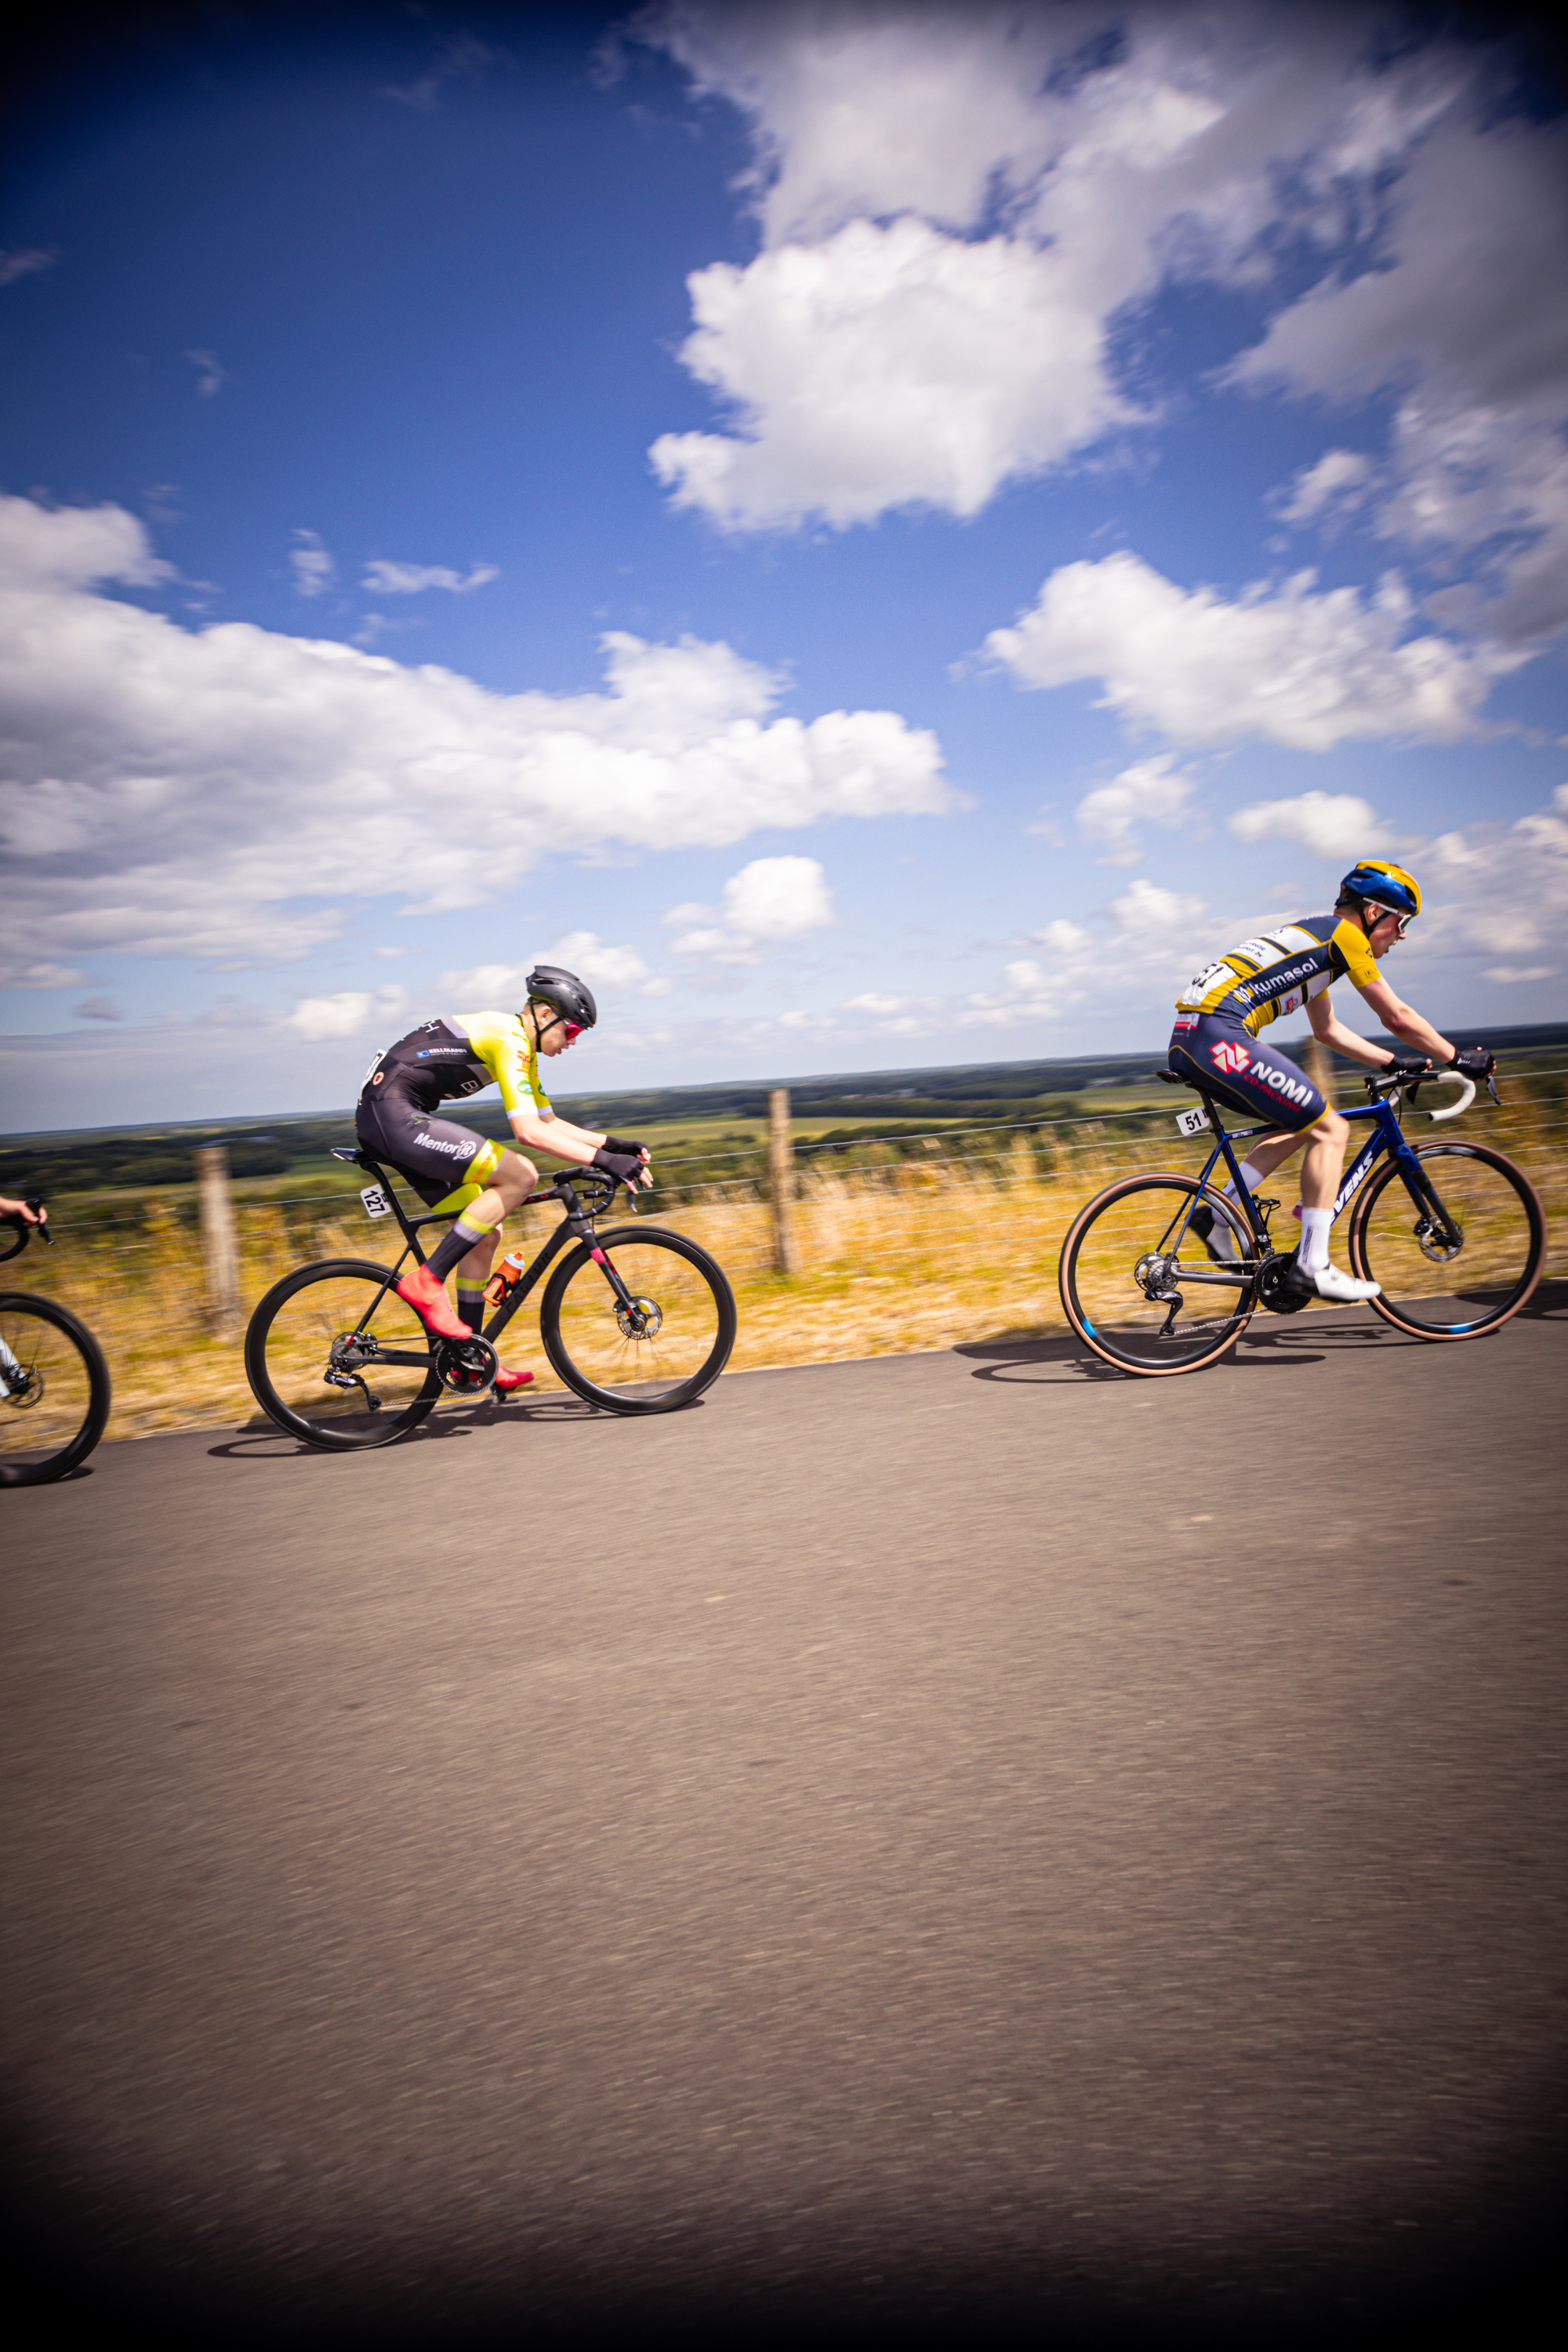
(1221, 1014)
(449, 1166)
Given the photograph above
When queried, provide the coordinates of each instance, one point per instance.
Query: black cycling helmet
(568, 997)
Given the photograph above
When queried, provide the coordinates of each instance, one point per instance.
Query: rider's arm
(562, 1140)
(1402, 1021)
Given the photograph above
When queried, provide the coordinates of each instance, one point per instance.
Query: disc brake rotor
(640, 1321)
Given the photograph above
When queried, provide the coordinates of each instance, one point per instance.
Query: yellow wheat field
(889, 1260)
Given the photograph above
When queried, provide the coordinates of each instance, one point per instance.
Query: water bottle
(505, 1277)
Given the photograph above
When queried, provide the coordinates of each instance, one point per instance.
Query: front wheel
(1459, 1249)
(54, 1390)
(1123, 1265)
(334, 1357)
(663, 1349)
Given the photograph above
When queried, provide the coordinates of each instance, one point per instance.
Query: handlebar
(1381, 1083)
(25, 1232)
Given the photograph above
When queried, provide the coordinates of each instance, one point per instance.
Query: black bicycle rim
(289, 1351)
(1495, 1271)
(604, 1357)
(56, 1391)
(1105, 1301)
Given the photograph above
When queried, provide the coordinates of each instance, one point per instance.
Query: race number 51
(1189, 1122)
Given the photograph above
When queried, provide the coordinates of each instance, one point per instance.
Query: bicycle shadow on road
(1269, 1343)
(260, 1441)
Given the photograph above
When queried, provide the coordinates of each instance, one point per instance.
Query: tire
(54, 1390)
(587, 1334)
(1106, 1302)
(1446, 1293)
(288, 1351)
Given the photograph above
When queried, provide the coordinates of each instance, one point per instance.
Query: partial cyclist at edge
(452, 1167)
(1217, 1039)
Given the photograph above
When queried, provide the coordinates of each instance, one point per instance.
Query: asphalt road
(956, 1838)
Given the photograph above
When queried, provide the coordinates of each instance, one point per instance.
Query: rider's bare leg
(515, 1177)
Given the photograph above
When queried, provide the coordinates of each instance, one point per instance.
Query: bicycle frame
(1386, 1136)
(577, 1225)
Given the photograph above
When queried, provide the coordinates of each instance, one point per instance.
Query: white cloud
(889, 366)
(211, 372)
(312, 566)
(770, 900)
(1154, 937)
(1304, 668)
(349, 1013)
(878, 1002)
(388, 578)
(1497, 888)
(25, 261)
(1508, 973)
(1151, 792)
(1332, 486)
(1331, 824)
(480, 986)
(929, 176)
(213, 793)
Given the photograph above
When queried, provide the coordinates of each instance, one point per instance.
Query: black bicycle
(636, 1318)
(54, 1382)
(1454, 1232)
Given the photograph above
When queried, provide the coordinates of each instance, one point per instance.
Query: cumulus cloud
(1151, 792)
(387, 579)
(770, 900)
(311, 565)
(1336, 484)
(1331, 824)
(217, 792)
(1305, 668)
(927, 175)
(1150, 936)
(480, 986)
(1467, 877)
(349, 1013)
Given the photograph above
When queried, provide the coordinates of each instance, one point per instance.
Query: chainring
(1273, 1291)
(468, 1367)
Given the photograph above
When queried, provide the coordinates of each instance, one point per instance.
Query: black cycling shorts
(436, 1155)
(1248, 1075)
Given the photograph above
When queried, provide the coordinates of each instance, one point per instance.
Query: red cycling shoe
(430, 1301)
(508, 1384)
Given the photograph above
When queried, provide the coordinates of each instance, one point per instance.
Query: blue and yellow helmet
(1376, 883)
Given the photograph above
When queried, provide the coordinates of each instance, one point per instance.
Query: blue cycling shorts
(1248, 1075)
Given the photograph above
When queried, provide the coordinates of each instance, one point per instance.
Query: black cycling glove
(1408, 1065)
(626, 1167)
(1474, 1061)
(623, 1143)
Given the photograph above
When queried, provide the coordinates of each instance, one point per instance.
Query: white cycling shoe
(1341, 1289)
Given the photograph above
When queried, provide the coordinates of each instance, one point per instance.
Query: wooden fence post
(781, 1179)
(220, 1254)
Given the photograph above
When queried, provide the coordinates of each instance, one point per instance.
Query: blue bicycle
(1454, 1232)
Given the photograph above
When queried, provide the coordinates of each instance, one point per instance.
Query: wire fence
(904, 1240)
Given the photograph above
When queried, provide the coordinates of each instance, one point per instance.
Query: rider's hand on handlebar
(23, 1213)
(1474, 1061)
(627, 1144)
(628, 1168)
(1407, 1066)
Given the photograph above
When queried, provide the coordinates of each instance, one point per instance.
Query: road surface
(960, 1837)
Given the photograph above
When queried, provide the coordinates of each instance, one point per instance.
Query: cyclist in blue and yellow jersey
(1220, 1016)
(449, 1166)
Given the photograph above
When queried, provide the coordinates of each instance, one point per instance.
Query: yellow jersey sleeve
(1350, 952)
(502, 1042)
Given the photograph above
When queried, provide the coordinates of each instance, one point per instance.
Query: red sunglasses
(573, 1028)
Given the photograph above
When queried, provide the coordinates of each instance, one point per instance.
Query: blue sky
(885, 534)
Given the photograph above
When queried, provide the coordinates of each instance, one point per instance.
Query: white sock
(1250, 1176)
(1313, 1255)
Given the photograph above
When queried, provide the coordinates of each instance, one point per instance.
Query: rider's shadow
(258, 1440)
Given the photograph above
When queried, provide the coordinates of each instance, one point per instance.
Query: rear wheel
(672, 1343)
(54, 1391)
(333, 1355)
(1123, 1266)
(1460, 1259)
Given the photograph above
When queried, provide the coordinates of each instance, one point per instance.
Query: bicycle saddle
(356, 1158)
(1180, 1078)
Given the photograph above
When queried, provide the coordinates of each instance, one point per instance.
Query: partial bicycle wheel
(1459, 1262)
(54, 1390)
(1121, 1269)
(666, 1348)
(336, 1358)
